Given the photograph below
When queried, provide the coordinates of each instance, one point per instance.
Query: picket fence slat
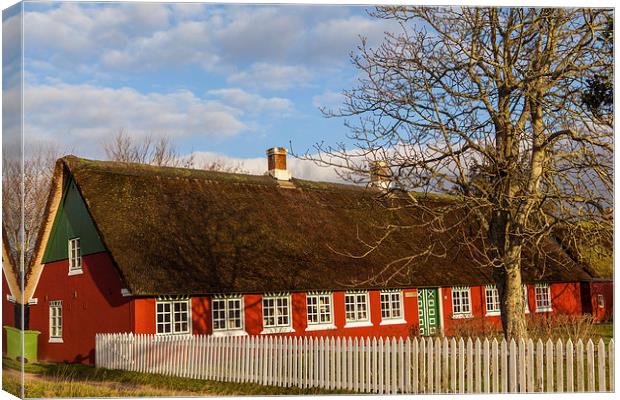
(369, 365)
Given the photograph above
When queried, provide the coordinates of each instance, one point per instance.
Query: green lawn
(66, 380)
(605, 331)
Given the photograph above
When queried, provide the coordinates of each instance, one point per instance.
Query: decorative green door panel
(428, 311)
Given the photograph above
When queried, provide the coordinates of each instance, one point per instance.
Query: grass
(70, 380)
(604, 331)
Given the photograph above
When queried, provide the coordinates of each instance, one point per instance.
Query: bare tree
(484, 105)
(147, 150)
(38, 168)
(159, 151)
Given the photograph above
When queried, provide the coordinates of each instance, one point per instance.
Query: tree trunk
(512, 305)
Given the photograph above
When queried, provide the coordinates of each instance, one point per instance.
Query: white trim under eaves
(125, 292)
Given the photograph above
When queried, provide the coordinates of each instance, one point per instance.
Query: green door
(428, 311)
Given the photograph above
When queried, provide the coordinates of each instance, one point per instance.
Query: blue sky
(224, 81)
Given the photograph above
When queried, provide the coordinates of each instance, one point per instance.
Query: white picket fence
(431, 365)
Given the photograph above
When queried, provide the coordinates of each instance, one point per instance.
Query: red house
(170, 251)
(11, 292)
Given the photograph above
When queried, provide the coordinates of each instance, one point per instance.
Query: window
(461, 307)
(492, 300)
(543, 297)
(319, 308)
(75, 256)
(526, 300)
(600, 299)
(55, 321)
(173, 316)
(356, 308)
(227, 314)
(277, 313)
(392, 306)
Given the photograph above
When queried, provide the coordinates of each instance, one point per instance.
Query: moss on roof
(590, 245)
(181, 231)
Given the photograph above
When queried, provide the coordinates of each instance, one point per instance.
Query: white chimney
(379, 174)
(276, 163)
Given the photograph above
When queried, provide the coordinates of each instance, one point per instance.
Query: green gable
(72, 220)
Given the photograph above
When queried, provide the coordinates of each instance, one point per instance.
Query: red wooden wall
(91, 303)
(8, 311)
(606, 289)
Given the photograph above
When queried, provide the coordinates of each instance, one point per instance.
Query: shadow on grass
(76, 374)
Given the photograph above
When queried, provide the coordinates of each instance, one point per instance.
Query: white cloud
(266, 34)
(252, 103)
(187, 43)
(76, 32)
(249, 43)
(337, 38)
(329, 100)
(80, 113)
(301, 169)
(272, 76)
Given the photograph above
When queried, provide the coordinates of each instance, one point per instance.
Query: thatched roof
(9, 268)
(182, 231)
(592, 246)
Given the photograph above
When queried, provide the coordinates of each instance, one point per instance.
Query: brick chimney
(379, 174)
(276, 164)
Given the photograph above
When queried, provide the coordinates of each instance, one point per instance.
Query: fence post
(470, 366)
(549, 363)
(590, 362)
(453, 355)
(422, 366)
(430, 350)
(530, 366)
(503, 350)
(415, 366)
(401, 362)
(540, 382)
(356, 365)
(461, 366)
(477, 366)
(381, 371)
(522, 367)
(611, 365)
(445, 368)
(485, 368)
(601, 366)
(512, 367)
(394, 367)
(559, 366)
(495, 365)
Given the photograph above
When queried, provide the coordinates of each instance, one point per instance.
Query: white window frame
(227, 330)
(493, 308)
(316, 298)
(55, 320)
(391, 318)
(171, 301)
(539, 288)
(75, 260)
(277, 327)
(526, 299)
(460, 290)
(355, 308)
